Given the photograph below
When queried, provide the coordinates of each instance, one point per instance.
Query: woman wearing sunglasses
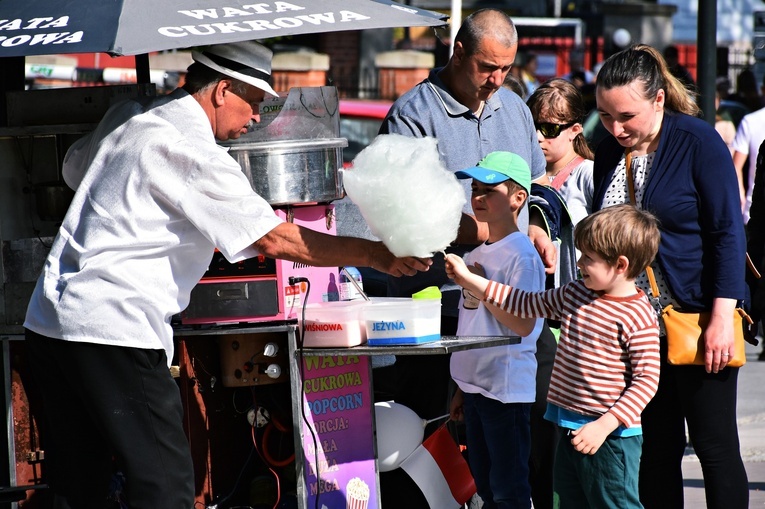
(668, 161)
(557, 108)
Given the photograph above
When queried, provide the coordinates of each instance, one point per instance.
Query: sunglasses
(550, 130)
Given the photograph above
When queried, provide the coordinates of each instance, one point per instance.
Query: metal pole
(454, 22)
(296, 382)
(706, 57)
(9, 418)
(142, 68)
(11, 79)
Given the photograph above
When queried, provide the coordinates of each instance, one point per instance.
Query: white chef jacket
(157, 197)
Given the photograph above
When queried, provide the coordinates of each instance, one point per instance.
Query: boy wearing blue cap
(496, 386)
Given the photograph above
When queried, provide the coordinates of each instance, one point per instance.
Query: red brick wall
(562, 47)
(284, 80)
(687, 58)
(343, 51)
(395, 82)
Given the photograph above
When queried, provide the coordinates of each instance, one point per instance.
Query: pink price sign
(338, 437)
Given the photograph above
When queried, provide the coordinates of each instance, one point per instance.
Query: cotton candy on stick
(411, 202)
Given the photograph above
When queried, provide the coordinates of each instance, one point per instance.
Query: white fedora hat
(246, 61)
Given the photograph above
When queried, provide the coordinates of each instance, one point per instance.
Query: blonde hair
(645, 64)
(621, 230)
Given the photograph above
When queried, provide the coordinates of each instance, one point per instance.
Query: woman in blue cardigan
(683, 173)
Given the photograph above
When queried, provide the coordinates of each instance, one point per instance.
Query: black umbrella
(132, 27)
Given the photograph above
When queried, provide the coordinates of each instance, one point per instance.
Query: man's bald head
(486, 24)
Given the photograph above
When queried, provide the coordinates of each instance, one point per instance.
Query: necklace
(552, 177)
(557, 180)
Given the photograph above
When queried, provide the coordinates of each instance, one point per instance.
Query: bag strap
(655, 294)
(753, 269)
(631, 189)
(628, 172)
(562, 175)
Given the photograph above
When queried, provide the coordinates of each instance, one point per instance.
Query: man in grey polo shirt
(466, 108)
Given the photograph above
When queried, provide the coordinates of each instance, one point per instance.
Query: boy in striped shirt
(607, 365)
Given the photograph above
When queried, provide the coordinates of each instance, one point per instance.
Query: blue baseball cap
(498, 167)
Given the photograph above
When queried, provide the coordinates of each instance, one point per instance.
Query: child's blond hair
(621, 230)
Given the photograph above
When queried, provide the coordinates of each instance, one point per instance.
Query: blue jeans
(498, 444)
(607, 479)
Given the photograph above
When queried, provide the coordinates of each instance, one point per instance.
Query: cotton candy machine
(292, 159)
(290, 172)
(293, 156)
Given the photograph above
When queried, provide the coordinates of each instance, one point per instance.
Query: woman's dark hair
(645, 64)
(560, 99)
(746, 83)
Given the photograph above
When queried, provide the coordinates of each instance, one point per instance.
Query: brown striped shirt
(608, 355)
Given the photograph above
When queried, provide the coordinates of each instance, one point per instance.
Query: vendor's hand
(456, 410)
(544, 247)
(385, 261)
(718, 336)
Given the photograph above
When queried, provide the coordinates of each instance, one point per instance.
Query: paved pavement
(751, 429)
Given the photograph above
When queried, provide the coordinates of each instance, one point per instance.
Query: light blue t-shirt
(572, 420)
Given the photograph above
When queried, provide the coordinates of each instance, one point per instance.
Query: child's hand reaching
(471, 278)
(458, 271)
(455, 266)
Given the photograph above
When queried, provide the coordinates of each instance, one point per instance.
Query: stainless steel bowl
(293, 171)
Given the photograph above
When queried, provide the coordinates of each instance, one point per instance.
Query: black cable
(238, 479)
(324, 100)
(300, 332)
